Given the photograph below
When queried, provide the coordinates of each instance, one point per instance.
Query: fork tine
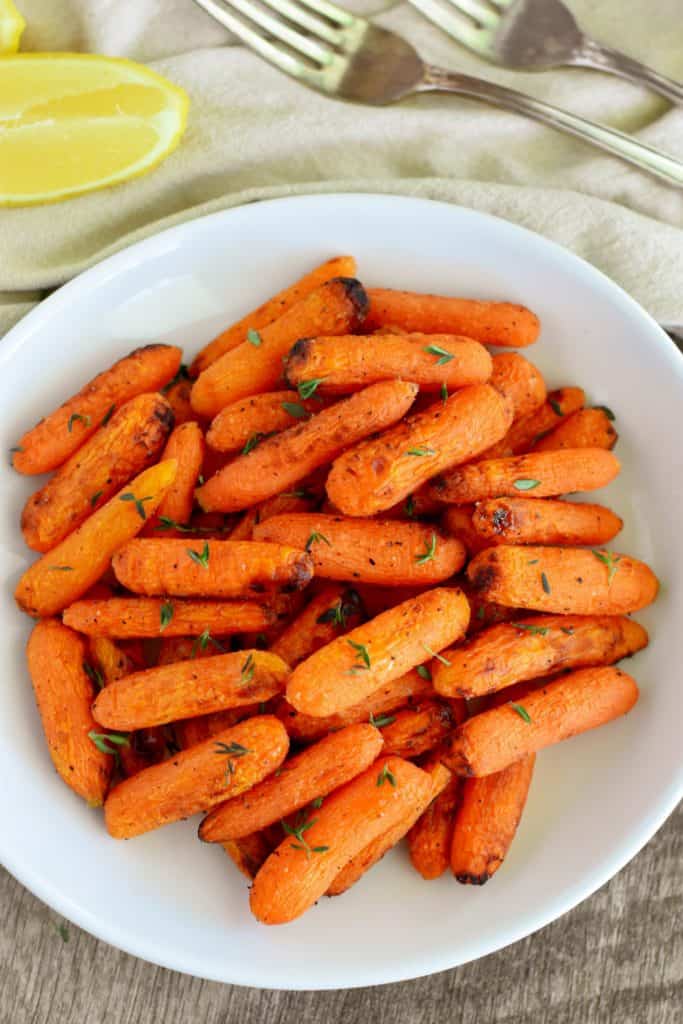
(456, 25)
(479, 11)
(331, 11)
(297, 14)
(274, 27)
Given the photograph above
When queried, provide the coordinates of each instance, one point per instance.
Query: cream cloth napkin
(253, 133)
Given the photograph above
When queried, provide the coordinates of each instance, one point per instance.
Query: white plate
(594, 801)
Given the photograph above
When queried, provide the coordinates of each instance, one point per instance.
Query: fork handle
(625, 146)
(594, 55)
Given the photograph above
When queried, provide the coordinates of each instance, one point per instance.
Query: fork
(342, 55)
(536, 35)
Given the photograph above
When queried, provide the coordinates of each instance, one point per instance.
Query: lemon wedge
(71, 123)
(11, 27)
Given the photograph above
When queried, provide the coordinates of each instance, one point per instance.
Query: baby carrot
(526, 431)
(332, 611)
(529, 521)
(586, 428)
(153, 616)
(520, 381)
(414, 731)
(186, 446)
(429, 840)
(249, 421)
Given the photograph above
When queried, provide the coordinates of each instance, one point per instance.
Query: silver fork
(342, 55)
(537, 35)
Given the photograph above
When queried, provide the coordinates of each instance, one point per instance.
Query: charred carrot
(369, 551)
(62, 432)
(520, 381)
(492, 323)
(350, 668)
(303, 867)
(574, 703)
(540, 475)
(177, 394)
(255, 365)
(487, 819)
(186, 446)
(196, 779)
(458, 521)
(332, 611)
(262, 316)
(429, 840)
(587, 428)
(64, 693)
(249, 852)
(280, 462)
(377, 473)
(151, 616)
(414, 731)
(563, 580)
(533, 647)
(529, 521)
(217, 568)
(64, 574)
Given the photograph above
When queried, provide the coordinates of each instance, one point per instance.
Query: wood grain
(616, 959)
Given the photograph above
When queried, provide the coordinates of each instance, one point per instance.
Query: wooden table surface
(617, 958)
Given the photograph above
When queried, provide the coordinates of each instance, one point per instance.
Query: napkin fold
(254, 134)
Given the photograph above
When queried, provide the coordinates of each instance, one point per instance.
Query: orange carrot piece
(375, 850)
(564, 580)
(262, 316)
(255, 365)
(587, 428)
(217, 568)
(126, 445)
(351, 668)
(526, 431)
(572, 704)
(187, 688)
(414, 731)
(458, 521)
(249, 421)
(533, 647)
(369, 551)
(186, 446)
(378, 473)
(249, 853)
(530, 521)
(538, 475)
(297, 874)
(342, 364)
(50, 443)
(429, 840)
(486, 821)
(332, 611)
(491, 323)
(191, 731)
(177, 394)
(310, 775)
(418, 505)
(56, 658)
(194, 780)
(520, 381)
(151, 616)
(280, 462)
(64, 574)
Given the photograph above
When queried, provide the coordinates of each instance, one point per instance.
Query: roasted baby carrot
(151, 616)
(378, 473)
(572, 704)
(375, 850)
(191, 731)
(539, 475)
(187, 688)
(429, 840)
(564, 580)
(529, 521)
(196, 779)
(486, 821)
(262, 316)
(338, 365)
(408, 690)
(533, 647)
(280, 462)
(249, 852)
(414, 731)
(587, 428)
(492, 323)
(457, 520)
(217, 568)
(368, 551)
(64, 692)
(309, 776)
(350, 668)
(526, 432)
(59, 435)
(177, 394)
(518, 380)
(255, 365)
(65, 573)
(186, 446)
(302, 868)
(249, 421)
(126, 445)
(334, 610)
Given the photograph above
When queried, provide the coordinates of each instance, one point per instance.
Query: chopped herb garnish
(317, 803)
(340, 611)
(200, 557)
(200, 480)
(108, 415)
(261, 640)
(85, 420)
(410, 506)
(253, 337)
(444, 392)
(430, 551)
(569, 630)
(314, 538)
(230, 750)
(536, 630)
(166, 523)
(108, 742)
(381, 720)
(182, 374)
(139, 502)
(525, 485)
(93, 674)
(165, 615)
(255, 440)
(556, 407)
(521, 711)
(201, 642)
(424, 672)
(16, 448)
(481, 612)
(610, 560)
(295, 409)
(60, 568)
(386, 775)
(247, 670)
(544, 583)
(421, 451)
(307, 388)
(607, 411)
(533, 561)
(62, 931)
(297, 830)
(300, 493)
(433, 654)
(361, 652)
(444, 355)
(94, 498)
